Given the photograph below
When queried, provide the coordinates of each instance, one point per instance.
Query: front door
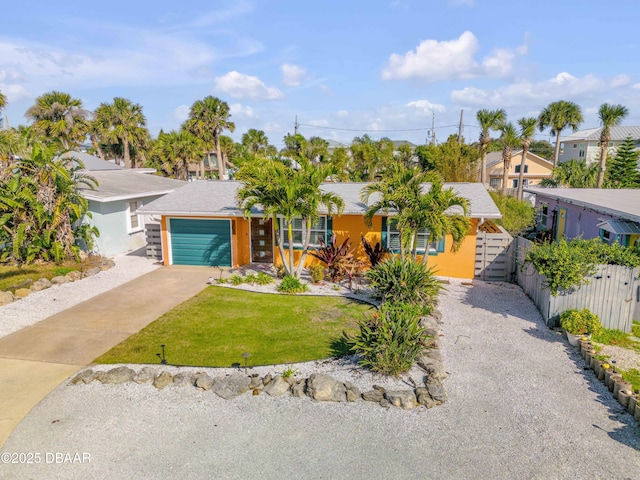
(561, 223)
(261, 241)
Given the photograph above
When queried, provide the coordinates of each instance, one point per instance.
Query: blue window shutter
(329, 229)
(384, 233)
(441, 245)
(601, 234)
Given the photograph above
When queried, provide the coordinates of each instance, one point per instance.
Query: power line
(374, 130)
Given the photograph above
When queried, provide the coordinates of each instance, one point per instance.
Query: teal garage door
(200, 242)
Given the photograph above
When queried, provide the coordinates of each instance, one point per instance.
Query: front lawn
(218, 325)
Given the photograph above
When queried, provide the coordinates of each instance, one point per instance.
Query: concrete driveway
(36, 359)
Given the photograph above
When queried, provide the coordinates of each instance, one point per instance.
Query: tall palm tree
(573, 174)
(208, 118)
(255, 141)
(527, 129)
(59, 117)
(508, 140)
(558, 116)
(124, 122)
(286, 194)
(610, 116)
(3, 104)
(173, 152)
(488, 120)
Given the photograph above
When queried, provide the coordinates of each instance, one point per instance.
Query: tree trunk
(483, 170)
(556, 153)
(279, 239)
(305, 249)
(290, 236)
(603, 163)
(221, 170)
(96, 146)
(127, 154)
(505, 173)
(521, 177)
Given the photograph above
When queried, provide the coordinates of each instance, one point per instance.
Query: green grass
(632, 376)
(12, 277)
(618, 338)
(218, 325)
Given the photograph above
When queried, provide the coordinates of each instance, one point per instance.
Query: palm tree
(573, 174)
(610, 116)
(508, 140)
(3, 104)
(174, 151)
(59, 117)
(255, 141)
(286, 194)
(122, 122)
(488, 120)
(558, 116)
(527, 129)
(208, 118)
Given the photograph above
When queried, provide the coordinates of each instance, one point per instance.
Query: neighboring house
(203, 225)
(536, 169)
(612, 215)
(585, 144)
(114, 203)
(91, 162)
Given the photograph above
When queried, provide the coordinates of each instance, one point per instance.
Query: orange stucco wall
(460, 264)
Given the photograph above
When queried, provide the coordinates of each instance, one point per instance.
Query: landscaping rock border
(29, 287)
(320, 387)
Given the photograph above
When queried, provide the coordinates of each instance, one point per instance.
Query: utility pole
(295, 128)
(460, 126)
(433, 128)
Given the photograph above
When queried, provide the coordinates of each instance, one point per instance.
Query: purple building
(613, 215)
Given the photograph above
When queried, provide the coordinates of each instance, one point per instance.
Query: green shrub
(390, 339)
(236, 279)
(403, 281)
(264, 278)
(62, 271)
(317, 273)
(568, 264)
(580, 322)
(251, 278)
(518, 216)
(289, 371)
(291, 284)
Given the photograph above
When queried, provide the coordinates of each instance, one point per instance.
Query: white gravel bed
(40, 305)
(520, 406)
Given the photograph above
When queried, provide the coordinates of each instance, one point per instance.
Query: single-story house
(202, 225)
(536, 169)
(91, 162)
(114, 203)
(585, 144)
(612, 215)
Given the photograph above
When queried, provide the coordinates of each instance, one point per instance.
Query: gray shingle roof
(122, 184)
(210, 198)
(624, 202)
(618, 134)
(91, 162)
(494, 158)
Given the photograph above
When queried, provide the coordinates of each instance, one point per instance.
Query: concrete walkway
(36, 359)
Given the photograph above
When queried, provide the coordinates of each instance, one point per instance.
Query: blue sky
(359, 66)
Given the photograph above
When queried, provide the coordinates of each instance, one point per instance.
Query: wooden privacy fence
(612, 292)
(154, 241)
(493, 257)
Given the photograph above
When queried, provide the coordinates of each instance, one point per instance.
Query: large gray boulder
(204, 381)
(278, 386)
(232, 386)
(163, 380)
(373, 396)
(117, 375)
(423, 397)
(73, 276)
(323, 388)
(404, 399)
(6, 298)
(85, 376)
(436, 389)
(59, 280)
(183, 379)
(41, 284)
(145, 375)
(298, 390)
(353, 392)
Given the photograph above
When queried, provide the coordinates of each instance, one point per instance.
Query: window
(495, 182)
(135, 221)
(544, 214)
(525, 182)
(526, 169)
(318, 230)
(393, 239)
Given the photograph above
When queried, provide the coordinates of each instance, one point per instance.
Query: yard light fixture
(245, 355)
(162, 358)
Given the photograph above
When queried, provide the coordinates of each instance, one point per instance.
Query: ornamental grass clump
(291, 284)
(390, 339)
(580, 322)
(403, 281)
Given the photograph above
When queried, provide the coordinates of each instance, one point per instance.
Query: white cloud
(242, 86)
(14, 92)
(181, 113)
(435, 60)
(425, 106)
(342, 113)
(292, 75)
(563, 85)
(326, 90)
(242, 111)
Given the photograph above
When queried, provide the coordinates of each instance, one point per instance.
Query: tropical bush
(568, 264)
(264, 278)
(291, 285)
(580, 322)
(333, 255)
(403, 281)
(317, 273)
(375, 253)
(518, 216)
(390, 339)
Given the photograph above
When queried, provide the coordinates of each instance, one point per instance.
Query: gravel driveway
(520, 406)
